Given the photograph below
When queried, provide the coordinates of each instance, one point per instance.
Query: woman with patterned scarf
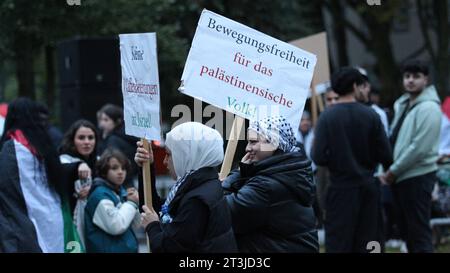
(194, 217)
(271, 195)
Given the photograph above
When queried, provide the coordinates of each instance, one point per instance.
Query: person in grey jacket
(415, 138)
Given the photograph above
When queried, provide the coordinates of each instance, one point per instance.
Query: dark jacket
(270, 203)
(17, 232)
(201, 219)
(350, 140)
(55, 135)
(76, 160)
(97, 240)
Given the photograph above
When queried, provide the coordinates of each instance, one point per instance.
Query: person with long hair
(34, 210)
(79, 146)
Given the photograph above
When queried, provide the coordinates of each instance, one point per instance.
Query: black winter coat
(271, 205)
(201, 219)
(70, 189)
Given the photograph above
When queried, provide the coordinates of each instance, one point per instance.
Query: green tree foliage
(33, 28)
(434, 20)
(375, 32)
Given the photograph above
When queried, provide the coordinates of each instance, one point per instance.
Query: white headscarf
(194, 146)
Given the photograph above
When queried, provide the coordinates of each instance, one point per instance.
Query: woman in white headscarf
(195, 216)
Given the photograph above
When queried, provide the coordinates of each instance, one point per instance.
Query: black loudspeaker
(84, 102)
(89, 77)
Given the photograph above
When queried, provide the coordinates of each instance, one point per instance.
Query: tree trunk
(443, 59)
(24, 67)
(50, 75)
(378, 42)
(317, 16)
(2, 84)
(339, 32)
(386, 66)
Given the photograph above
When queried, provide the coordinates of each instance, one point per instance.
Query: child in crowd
(111, 210)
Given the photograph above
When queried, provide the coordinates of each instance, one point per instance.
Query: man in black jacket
(350, 141)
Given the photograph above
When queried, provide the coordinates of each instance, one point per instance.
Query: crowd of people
(84, 188)
(375, 181)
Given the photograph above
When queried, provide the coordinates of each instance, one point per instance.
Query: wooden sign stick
(147, 184)
(236, 129)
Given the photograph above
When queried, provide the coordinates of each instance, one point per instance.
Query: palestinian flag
(3, 111)
(444, 147)
(38, 218)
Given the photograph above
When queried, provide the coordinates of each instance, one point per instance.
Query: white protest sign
(246, 72)
(140, 85)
